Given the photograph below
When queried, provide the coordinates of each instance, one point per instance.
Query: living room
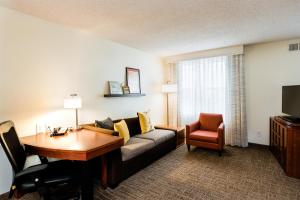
(52, 49)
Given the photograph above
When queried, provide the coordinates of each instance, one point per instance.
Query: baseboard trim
(4, 196)
(258, 145)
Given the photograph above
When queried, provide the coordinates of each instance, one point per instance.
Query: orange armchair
(208, 132)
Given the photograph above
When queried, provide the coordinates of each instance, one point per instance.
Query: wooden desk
(82, 145)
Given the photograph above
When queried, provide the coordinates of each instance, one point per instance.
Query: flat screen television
(291, 101)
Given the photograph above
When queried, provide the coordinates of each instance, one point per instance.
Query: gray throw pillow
(107, 123)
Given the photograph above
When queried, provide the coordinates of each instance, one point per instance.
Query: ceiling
(168, 27)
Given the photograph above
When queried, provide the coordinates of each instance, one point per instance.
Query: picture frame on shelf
(115, 87)
(133, 80)
(126, 89)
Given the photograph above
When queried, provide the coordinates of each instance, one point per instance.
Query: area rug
(241, 173)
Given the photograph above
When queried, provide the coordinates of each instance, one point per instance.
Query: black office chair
(43, 178)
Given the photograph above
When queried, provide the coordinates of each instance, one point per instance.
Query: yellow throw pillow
(145, 122)
(122, 128)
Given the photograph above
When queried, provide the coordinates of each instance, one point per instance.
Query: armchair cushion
(210, 122)
(207, 136)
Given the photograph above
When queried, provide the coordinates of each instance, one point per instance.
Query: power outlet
(294, 47)
(40, 128)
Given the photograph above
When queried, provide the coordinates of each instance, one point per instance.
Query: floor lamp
(169, 88)
(73, 102)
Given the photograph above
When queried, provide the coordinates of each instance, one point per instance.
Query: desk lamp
(73, 102)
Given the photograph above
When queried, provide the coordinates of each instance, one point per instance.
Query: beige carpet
(250, 173)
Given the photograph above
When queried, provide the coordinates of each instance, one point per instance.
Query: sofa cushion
(145, 122)
(207, 136)
(107, 123)
(122, 128)
(133, 125)
(157, 135)
(135, 146)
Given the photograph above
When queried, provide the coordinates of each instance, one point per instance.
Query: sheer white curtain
(214, 85)
(201, 87)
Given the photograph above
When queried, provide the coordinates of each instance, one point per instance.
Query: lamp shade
(169, 88)
(74, 101)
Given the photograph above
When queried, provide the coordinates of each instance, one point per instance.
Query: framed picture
(126, 90)
(133, 80)
(115, 87)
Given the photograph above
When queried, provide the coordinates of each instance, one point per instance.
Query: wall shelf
(124, 95)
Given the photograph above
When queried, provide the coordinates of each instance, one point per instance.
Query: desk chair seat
(34, 176)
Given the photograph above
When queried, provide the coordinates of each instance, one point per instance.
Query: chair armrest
(34, 171)
(221, 129)
(32, 174)
(192, 127)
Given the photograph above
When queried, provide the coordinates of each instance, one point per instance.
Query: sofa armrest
(165, 128)
(92, 127)
(114, 168)
(192, 127)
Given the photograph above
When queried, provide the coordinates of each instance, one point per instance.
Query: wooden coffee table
(179, 131)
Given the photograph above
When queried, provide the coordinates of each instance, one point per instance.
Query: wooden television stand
(285, 144)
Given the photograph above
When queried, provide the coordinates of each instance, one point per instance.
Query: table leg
(103, 172)
(87, 186)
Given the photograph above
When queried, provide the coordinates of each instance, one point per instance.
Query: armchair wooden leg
(188, 147)
(220, 153)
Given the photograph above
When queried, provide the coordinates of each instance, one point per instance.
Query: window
(201, 87)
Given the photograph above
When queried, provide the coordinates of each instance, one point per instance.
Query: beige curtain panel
(235, 112)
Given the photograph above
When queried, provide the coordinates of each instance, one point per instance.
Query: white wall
(41, 63)
(269, 66)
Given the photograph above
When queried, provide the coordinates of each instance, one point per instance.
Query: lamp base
(78, 128)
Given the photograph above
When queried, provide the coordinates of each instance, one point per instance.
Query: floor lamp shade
(73, 102)
(169, 88)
